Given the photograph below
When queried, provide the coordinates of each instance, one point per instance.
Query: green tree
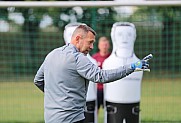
(3, 13)
(170, 18)
(30, 29)
(94, 17)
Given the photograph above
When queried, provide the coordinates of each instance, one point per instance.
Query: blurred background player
(103, 46)
(91, 105)
(122, 98)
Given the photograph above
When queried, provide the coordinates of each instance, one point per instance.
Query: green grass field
(22, 102)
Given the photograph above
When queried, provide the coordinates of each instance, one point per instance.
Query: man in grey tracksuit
(65, 73)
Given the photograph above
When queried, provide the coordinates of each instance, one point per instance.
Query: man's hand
(142, 65)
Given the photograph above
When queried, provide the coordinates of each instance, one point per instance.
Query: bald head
(83, 38)
(83, 30)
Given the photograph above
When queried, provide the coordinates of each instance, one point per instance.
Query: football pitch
(22, 102)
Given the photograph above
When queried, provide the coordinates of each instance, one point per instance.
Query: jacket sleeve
(93, 73)
(39, 78)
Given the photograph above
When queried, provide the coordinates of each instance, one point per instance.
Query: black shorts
(100, 100)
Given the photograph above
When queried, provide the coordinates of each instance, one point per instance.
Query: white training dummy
(122, 98)
(91, 103)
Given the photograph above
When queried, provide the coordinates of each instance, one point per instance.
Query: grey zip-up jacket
(64, 77)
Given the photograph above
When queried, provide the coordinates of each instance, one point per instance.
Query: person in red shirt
(103, 46)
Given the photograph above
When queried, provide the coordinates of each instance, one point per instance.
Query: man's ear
(77, 38)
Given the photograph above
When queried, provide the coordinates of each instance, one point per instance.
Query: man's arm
(39, 78)
(93, 73)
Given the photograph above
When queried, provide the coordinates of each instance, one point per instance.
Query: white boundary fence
(89, 3)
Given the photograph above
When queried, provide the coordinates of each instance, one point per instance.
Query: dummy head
(123, 36)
